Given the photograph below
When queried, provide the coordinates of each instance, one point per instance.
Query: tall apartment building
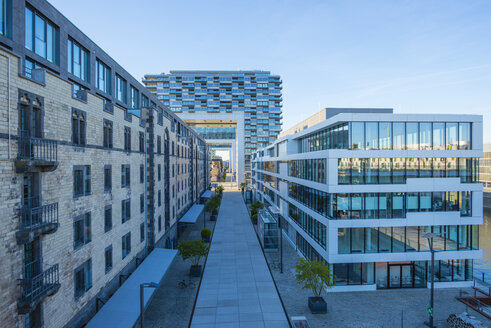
(360, 188)
(239, 111)
(95, 170)
(485, 174)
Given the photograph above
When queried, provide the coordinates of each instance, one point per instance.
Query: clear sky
(414, 56)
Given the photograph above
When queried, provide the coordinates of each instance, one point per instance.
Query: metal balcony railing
(38, 149)
(36, 219)
(35, 288)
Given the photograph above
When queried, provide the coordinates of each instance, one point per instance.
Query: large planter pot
(317, 305)
(206, 239)
(195, 271)
(213, 217)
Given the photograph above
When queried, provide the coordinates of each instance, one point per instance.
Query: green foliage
(256, 206)
(213, 204)
(314, 275)
(219, 189)
(243, 185)
(224, 176)
(193, 250)
(254, 218)
(205, 233)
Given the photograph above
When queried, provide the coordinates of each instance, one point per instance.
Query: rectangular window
(425, 134)
(141, 141)
(142, 232)
(79, 127)
(438, 136)
(134, 97)
(357, 135)
(159, 198)
(125, 210)
(126, 245)
(142, 203)
(412, 134)
(120, 89)
(159, 145)
(385, 135)
(78, 60)
(127, 138)
(108, 218)
(452, 136)
(83, 278)
(399, 135)
(159, 172)
(107, 134)
(103, 77)
(41, 36)
(108, 258)
(108, 178)
(142, 173)
(125, 176)
(81, 230)
(464, 136)
(371, 135)
(81, 180)
(4, 15)
(144, 101)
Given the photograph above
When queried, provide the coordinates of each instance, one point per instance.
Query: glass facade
(335, 137)
(3, 17)
(41, 36)
(410, 135)
(307, 250)
(315, 229)
(354, 273)
(380, 205)
(308, 169)
(397, 170)
(103, 77)
(78, 60)
(407, 239)
(120, 85)
(215, 132)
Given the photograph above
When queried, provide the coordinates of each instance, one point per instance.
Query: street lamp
(142, 286)
(430, 236)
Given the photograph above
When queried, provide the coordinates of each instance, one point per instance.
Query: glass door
(394, 276)
(407, 276)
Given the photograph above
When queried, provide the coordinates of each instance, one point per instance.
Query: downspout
(146, 199)
(8, 107)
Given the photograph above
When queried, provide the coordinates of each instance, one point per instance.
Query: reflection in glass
(398, 205)
(439, 167)
(371, 135)
(425, 201)
(357, 135)
(385, 135)
(354, 273)
(437, 203)
(412, 239)
(344, 171)
(384, 170)
(357, 244)
(425, 133)
(357, 171)
(371, 167)
(452, 136)
(438, 136)
(412, 133)
(398, 239)
(425, 168)
(452, 167)
(343, 241)
(371, 240)
(368, 276)
(356, 206)
(412, 167)
(371, 205)
(384, 205)
(465, 203)
(464, 136)
(399, 170)
(399, 138)
(412, 202)
(384, 238)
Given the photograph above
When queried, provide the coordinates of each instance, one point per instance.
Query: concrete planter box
(213, 217)
(206, 239)
(317, 305)
(195, 271)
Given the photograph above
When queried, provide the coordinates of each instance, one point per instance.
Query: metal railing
(38, 149)
(34, 215)
(40, 285)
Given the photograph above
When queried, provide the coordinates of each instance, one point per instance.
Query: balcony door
(31, 121)
(401, 275)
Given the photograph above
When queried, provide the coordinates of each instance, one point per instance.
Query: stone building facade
(92, 180)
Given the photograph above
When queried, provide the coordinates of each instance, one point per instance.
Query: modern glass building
(235, 110)
(360, 188)
(485, 174)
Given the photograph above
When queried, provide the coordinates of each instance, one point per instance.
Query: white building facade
(362, 187)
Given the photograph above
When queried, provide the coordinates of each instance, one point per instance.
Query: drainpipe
(8, 106)
(145, 196)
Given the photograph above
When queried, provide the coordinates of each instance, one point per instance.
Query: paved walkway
(237, 289)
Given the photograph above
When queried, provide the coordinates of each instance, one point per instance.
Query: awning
(192, 214)
(274, 210)
(123, 308)
(207, 194)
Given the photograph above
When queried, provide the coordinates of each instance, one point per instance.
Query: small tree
(205, 233)
(219, 189)
(254, 218)
(243, 185)
(256, 206)
(193, 250)
(314, 275)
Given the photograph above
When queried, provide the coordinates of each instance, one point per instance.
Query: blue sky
(414, 56)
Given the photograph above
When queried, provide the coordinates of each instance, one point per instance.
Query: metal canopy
(192, 214)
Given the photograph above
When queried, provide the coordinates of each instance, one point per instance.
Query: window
(81, 230)
(159, 172)
(125, 175)
(108, 256)
(83, 278)
(142, 173)
(120, 89)
(134, 98)
(107, 134)
(107, 178)
(141, 141)
(103, 77)
(78, 60)
(127, 138)
(41, 36)
(126, 244)
(160, 223)
(142, 203)
(4, 16)
(125, 210)
(142, 232)
(108, 218)
(81, 180)
(79, 127)
(159, 145)
(159, 198)
(144, 101)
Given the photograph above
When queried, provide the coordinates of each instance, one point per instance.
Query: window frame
(86, 225)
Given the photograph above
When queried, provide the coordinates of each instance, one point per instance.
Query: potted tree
(205, 235)
(193, 250)
(256, 206)
(212, 207)
(219, 191)
(316, 276)
(254, 218)
(243, 185)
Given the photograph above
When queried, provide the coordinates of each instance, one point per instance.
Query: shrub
(256, 206)
(193, 250)
(254, 218)
(205, 233)
(314, 275)
(219, 189)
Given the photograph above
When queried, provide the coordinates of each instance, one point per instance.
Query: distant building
(239, 111)
(95, 170)
(485, 174)
(359, 189)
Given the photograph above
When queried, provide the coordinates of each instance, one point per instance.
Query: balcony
(36, 219)
(36, 155)
(36, 289)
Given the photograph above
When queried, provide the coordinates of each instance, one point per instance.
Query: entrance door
(401, 275)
